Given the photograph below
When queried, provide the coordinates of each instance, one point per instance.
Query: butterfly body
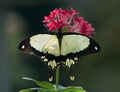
(59, 48)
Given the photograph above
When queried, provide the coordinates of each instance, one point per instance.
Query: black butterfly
(59, 49)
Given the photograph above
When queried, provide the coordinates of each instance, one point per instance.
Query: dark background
(20, 19)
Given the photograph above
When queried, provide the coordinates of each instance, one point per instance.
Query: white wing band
(45, 43)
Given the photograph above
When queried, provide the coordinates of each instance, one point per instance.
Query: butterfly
(59, 49)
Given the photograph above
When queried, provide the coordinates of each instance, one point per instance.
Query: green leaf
(36, 90)
(42, 84)
(73, 89)
(43, 90)
(48, 87)
(29, 90)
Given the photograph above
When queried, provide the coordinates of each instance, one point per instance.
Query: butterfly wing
(41, 45)
(71, 48)
(45, 43)
(77, 43)
(59, 49)
(74, 46)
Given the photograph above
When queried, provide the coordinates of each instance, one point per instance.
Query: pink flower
(68, 20)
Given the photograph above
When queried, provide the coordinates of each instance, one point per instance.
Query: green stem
(57, 77)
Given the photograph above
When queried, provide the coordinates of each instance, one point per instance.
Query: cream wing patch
(45, 43)
(52, 46)
(73, 44)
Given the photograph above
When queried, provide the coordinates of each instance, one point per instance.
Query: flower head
(69, 20)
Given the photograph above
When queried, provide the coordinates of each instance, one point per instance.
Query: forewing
(74, 44)
(45, 46)
(40, 44)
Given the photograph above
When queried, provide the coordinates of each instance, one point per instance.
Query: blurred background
(20, 19)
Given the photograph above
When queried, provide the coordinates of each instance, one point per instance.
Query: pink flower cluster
(60, 19)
